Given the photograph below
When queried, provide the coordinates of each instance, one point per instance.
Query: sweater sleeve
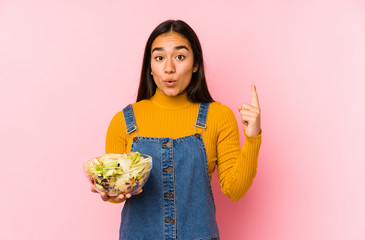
(116, 136)
(236, 168)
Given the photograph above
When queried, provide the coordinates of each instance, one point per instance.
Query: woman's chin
(170, 92)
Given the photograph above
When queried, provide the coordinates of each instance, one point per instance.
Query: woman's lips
(170, 83)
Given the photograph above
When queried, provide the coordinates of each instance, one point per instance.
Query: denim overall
(177, 200)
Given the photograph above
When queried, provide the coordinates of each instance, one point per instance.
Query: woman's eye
(158, 58)
(180, 57)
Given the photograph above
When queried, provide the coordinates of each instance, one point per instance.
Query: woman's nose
(169, 66)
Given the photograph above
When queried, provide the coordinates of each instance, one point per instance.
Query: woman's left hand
(250, 114)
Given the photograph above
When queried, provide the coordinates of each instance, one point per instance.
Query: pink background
(66, 67)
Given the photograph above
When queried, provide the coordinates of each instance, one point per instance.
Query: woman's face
(172, 61)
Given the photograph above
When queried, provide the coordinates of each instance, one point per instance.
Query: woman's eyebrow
(181, 47)
(176, 48)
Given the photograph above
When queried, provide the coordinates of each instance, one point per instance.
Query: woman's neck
(171, 102)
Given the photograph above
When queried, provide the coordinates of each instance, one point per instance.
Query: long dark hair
(197, 91)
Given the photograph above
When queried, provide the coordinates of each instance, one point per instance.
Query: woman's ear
(196, 67)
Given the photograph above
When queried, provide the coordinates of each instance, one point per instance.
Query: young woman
(176, 121)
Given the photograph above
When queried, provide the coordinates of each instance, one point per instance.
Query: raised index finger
(254, 96)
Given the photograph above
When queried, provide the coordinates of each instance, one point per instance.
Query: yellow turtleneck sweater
(164, 116)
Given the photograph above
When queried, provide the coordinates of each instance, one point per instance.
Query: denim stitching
(200, 140)
(129, 119)
(174, 187)
(202, 115)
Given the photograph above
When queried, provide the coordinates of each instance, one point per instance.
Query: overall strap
(130, 121)
(202, 115)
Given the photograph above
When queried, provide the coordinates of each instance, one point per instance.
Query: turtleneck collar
(165, 101)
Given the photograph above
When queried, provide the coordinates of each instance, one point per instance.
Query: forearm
(237, 179)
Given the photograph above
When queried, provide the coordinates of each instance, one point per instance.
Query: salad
(119, 173)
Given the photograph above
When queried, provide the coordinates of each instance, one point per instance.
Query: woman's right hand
(117, 199)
